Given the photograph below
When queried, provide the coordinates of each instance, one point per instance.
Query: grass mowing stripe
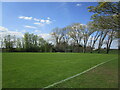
(77, 74)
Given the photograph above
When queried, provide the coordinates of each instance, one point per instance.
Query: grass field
(38, 70)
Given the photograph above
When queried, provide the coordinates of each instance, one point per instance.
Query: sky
(57, 14)
(41, 17)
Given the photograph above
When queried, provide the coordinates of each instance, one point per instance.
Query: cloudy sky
(41, 17)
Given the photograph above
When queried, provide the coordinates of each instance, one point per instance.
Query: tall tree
(94, 36)
(9, 42)
(57, 36)
(26, 41)
(106, 17)
(65, 38)
(87, 31)
(76, 34)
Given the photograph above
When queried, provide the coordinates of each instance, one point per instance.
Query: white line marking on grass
(77, 74)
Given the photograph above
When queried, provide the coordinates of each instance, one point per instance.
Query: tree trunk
(107, 50)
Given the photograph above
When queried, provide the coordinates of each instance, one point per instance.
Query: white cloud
(35, 19)
(46, 36)
(48, 22)
(37, 31)
(4, 31)
(18, 34)
(32, 27)
(41, 24)
(48, 17)
(78, 4)
(45, 21)
(42, 20)
(26, 18)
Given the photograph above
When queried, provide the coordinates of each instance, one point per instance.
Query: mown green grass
(104, 76)
(38, 70)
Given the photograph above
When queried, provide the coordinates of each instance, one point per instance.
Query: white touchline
(77, 74)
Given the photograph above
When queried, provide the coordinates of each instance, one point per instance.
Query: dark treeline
(102, 30)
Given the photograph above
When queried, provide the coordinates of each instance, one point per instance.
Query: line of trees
(106, 19)
(102, 30)
(29, 43)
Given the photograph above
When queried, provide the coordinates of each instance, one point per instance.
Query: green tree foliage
(106, 19)
(9, 42)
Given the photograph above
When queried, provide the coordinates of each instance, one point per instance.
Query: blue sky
(41, 17)
(60, 14)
